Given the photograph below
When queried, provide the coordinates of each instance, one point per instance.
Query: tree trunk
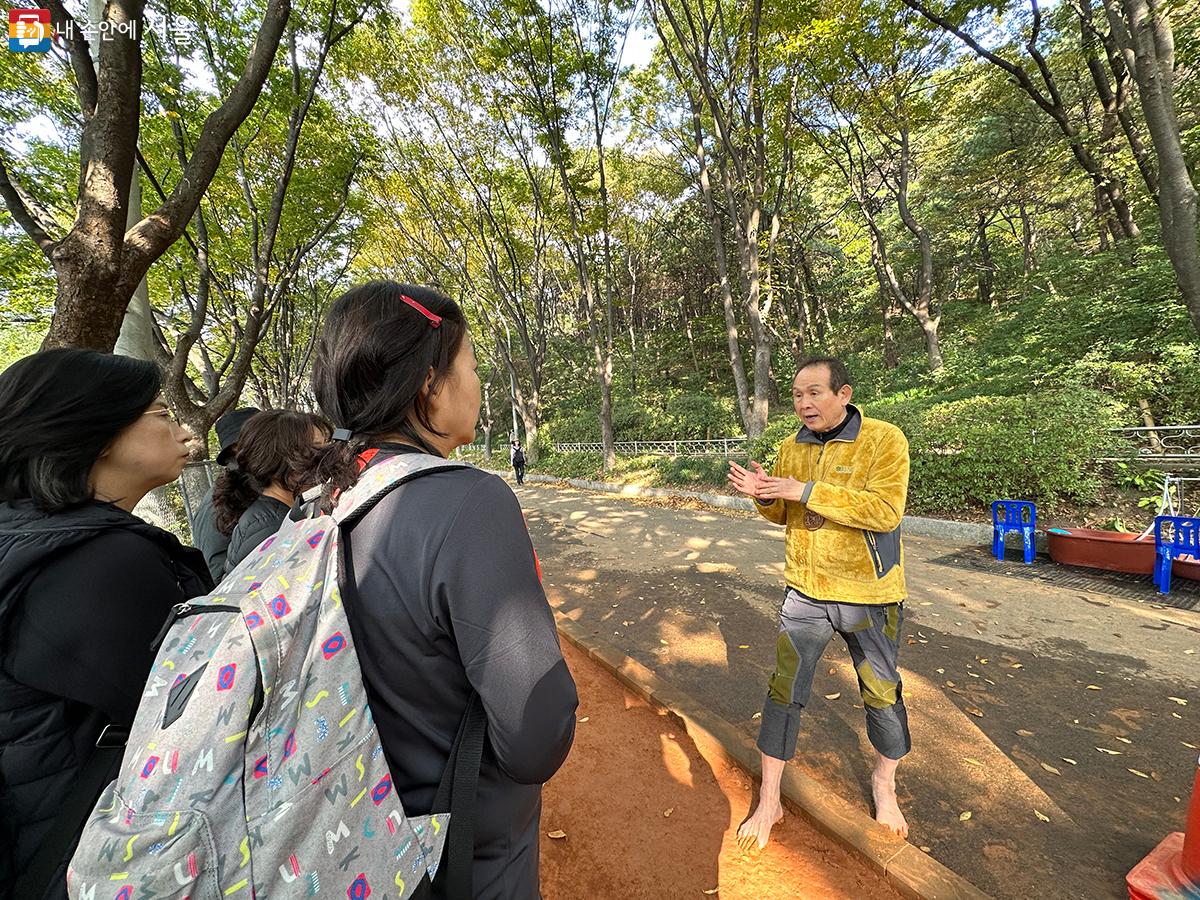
(987, 270)
(1143, 31)
(891, 353)
(1028, 242)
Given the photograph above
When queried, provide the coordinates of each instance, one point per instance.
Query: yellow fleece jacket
(859, 482)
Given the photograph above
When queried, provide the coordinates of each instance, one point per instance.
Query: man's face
(821, 408)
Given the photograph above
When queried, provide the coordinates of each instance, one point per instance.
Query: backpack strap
(92, 778)
(457, 793)
(380, 480)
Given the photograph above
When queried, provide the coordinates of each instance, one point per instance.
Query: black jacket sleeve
(257, 524)
(208, 539)
(88, 620)
(486, 578)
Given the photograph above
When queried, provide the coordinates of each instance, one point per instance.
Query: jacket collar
(807, 436)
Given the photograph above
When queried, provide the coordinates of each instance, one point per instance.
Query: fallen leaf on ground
(664, 643)
(1155, 776)
(713, 890)
(757, 715)
(1023, 733)
(1138, 774)
(1041, 815)
(972, 674)
(1189, 652)
(1189, 746)
(1093, 687)
(975, 711)
(585, 718)
(557, 835)
(1178, 700)
(743, 646)
(973, 762)
(1068, 759)
(1124, 740)
(1109, 752)
(1016, 666)
(926, 849)
(667, 812)
(927, 603)
(833, 696)
(949, 684)
(964, 816)
(941, 671)
(1050, 768)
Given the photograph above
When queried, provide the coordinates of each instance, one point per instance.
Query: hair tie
(341, 434)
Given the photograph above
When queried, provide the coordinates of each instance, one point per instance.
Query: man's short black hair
(839, 375)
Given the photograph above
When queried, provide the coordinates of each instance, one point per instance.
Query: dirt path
(648, 813)
(1029, 700)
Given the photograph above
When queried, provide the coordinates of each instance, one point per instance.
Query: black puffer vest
(44, 739)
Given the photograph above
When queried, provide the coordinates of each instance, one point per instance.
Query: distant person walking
(517, 456)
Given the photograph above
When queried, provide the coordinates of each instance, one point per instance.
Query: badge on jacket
(813, 520)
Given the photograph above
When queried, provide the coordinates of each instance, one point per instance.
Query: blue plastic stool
(1174, 536)
(1013, 515)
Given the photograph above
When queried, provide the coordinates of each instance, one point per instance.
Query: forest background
(650, 210)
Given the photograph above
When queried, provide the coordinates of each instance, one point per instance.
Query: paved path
(1015, 687)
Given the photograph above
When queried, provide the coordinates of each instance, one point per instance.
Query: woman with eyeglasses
(446, 600)
(84, 587)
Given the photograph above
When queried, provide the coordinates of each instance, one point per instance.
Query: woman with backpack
(252, 497)
(84, 587)
(447, 600)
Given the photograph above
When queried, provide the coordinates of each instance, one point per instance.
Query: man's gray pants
(872, 635)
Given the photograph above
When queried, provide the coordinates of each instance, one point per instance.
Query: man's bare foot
(757, 827)
(887, 808)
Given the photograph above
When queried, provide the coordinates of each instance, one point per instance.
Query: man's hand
(770, 488)
(747, 481)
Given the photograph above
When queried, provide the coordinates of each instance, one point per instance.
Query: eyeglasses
(164, 413)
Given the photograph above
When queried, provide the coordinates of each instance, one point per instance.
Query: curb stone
(913, 873)
(964, 534)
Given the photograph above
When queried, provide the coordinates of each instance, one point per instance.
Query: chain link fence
(173, 505)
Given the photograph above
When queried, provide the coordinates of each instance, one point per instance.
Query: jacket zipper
(183, 611)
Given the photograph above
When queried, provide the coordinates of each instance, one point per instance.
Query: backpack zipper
(182, 611)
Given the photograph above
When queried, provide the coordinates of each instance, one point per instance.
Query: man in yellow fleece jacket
(839, 486)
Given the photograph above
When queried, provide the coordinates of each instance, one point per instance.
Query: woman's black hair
(59, 410)
(273, 446)
(370, 370)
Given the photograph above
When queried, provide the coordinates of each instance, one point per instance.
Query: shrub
(1041, 447)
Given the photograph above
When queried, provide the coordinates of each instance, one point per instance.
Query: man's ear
(846, 392)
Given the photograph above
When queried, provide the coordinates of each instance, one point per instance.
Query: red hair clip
(435, 321)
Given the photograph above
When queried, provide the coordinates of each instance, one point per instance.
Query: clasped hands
(755, 482)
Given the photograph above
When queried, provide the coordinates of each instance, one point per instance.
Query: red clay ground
(649, 813)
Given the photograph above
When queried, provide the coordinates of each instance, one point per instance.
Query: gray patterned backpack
(253, 769)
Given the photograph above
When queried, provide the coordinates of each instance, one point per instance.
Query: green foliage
(1041, 447)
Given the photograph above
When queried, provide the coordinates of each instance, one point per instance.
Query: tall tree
(98, 262)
